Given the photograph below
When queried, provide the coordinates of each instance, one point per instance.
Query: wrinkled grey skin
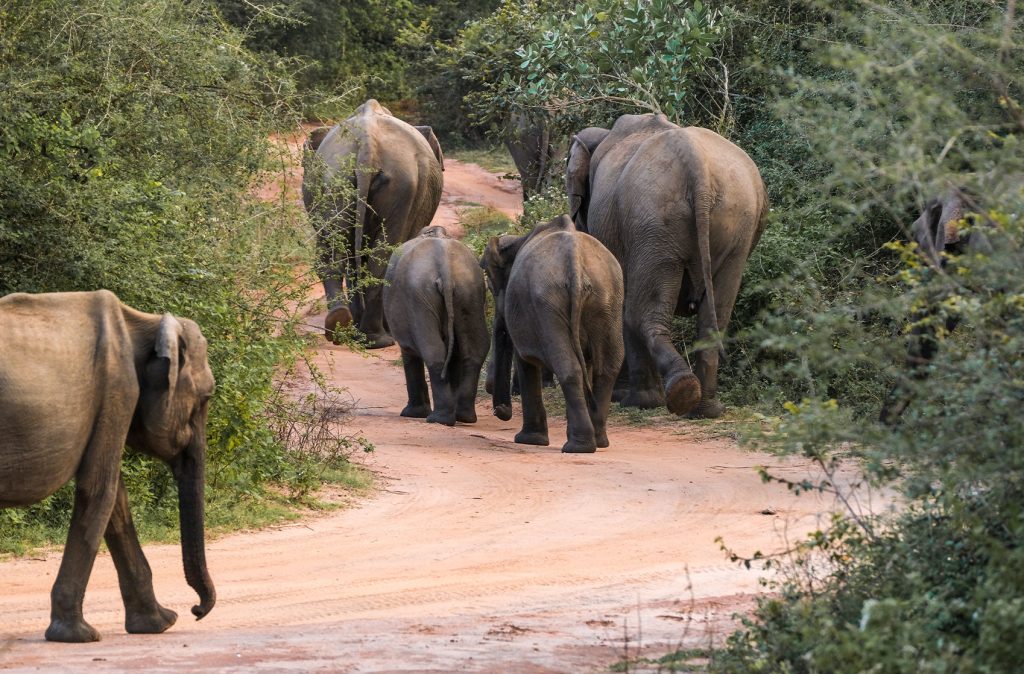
(81, 376)
(529, 142)
(435, 304)
(577, 172)
(681, 209)
(396, 183)
(558, 304)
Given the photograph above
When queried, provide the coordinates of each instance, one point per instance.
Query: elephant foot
(532, 438)
(619, 394)
(338, 317)
(71, 632)
(416, 411)
(572, 446)
(645, 399)
(503, 412)
(466, 416)
(708, 409)
(379, 341)
(439, 417)
(682, 393)
(153, 622)
(601, 438)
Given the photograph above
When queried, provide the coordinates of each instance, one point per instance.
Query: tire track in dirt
(478, 555)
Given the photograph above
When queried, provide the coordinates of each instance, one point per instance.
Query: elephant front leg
(644, 389)
(535, 418)
(332, 271)
(143, 614)
(95, 493)
(415, 386)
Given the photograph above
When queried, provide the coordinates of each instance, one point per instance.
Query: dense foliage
(132, 138)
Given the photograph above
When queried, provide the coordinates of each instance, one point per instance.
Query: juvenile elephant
(435, 301)
(81, 375)
(558, 304)
(681, 209)
(393, 173)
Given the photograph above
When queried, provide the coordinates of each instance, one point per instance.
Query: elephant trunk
(190, 471)
(502, 369)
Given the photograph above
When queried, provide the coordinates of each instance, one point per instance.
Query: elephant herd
(662, 221)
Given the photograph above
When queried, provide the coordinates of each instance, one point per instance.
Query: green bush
(905, 100)
(133, 137)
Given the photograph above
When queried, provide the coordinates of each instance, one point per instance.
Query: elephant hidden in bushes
(558, 304)
(937, 232)
(435, 303)
(81, 376)
(369, 181)
(681, 209)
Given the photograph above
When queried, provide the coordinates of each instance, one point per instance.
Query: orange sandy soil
(474, 555)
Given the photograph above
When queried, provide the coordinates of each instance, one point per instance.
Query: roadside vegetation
(134, 135)
(133, 139)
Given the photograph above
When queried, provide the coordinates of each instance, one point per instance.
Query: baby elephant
(434, 304)
(558, 296)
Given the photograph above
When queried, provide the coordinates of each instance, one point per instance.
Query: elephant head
(577, 173)
(175, 385)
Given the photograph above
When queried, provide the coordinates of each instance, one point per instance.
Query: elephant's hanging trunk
(189, 469)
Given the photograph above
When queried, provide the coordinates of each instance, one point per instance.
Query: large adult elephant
(81, 375)
(681, 209)
(370, 180)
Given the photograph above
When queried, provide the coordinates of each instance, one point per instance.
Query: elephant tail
(449, 309)
(703, 222)
(577, 287)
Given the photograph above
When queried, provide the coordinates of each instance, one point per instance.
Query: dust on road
(475, 555)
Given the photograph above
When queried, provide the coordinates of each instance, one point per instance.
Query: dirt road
(475, 555)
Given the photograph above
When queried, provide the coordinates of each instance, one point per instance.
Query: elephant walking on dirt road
(435, 303)
(558, 304)
(81, 376)
(372, 180)
(681, 209)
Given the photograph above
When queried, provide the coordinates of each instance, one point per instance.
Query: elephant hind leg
(535, 419)
(416, 386)
(727, 286)
(466, 380)
(143, 614)
(650, 305)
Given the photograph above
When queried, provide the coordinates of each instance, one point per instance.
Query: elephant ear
(428, 133)
(577, 182)
(169, 352)
(929, 231)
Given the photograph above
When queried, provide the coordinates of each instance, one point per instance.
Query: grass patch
(683, 660)
(495, 158)
(480, 223)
